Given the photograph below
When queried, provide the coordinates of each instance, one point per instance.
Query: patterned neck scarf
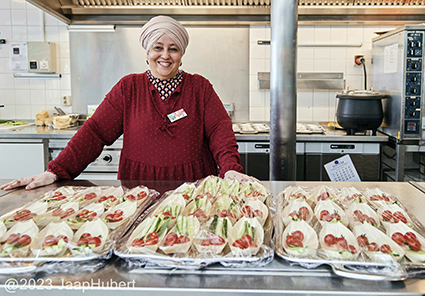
(165, 87)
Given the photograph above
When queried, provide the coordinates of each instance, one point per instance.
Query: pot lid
(360, 93)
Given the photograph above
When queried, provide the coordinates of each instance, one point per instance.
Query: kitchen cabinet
(366, 158)
(22, 157)
(255, 159)
(403, 162)
(315, 150)
(105, 167)
(311, 158)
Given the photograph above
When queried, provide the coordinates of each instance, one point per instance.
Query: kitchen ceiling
(233, 12)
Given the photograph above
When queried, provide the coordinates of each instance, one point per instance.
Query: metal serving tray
(251, 128)
(194, 259)
(309, 128)
(24, 262)
(263, 257)
(262, 127)
(365, 268)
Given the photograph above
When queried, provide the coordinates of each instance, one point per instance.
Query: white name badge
(179, 114)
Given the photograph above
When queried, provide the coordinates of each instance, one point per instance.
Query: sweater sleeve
(220, 135)
(103, 128)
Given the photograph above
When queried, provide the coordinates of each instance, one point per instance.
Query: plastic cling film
(300, 239)
(16, 241)
(214, 236)
(44, 238)
(328, 211)
(29, 212)
(374, 244)
(53, 240)
(119, 214)
(219, 223)
(351, 195)
(297, 210)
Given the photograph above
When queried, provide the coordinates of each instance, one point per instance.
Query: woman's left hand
(42, 179)
(234, 175)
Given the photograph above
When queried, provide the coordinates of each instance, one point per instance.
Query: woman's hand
(234, 175)
(42, 179)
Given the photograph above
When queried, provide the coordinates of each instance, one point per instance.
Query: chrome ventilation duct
(232, 12)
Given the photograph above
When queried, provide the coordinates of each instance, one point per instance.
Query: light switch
(44, 65)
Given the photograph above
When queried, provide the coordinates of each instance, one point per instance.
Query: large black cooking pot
(359, 110)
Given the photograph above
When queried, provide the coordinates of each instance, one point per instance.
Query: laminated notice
(342, 170)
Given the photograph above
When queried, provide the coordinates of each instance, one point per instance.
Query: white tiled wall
(23, 98)
(313, 105)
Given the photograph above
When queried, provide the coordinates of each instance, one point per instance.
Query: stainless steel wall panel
(99, 60)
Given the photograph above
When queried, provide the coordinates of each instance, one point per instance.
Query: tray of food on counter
(251, 127)
(262, 127)
(6, 125)
(362, 234)
(309, 128)
(69, 224)
(198, 224)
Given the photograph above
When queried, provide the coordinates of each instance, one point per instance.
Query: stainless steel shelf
(409, 176)
(37, 75)
(308, 80)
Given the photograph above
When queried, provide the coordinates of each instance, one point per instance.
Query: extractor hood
(233, 12)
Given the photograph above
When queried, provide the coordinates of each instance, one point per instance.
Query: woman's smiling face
(164, 58)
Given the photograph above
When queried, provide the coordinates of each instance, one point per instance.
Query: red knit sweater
(154, 148)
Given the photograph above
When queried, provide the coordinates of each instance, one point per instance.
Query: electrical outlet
(66, 100)
(357, 60)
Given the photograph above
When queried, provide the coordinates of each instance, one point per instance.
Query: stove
(105, 167)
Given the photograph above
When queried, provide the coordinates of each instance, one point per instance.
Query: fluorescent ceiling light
(91, 28)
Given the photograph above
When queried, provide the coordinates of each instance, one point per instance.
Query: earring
(181, 64)
(147, 62)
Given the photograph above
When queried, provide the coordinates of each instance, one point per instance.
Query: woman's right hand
(42, 179)
(234, 175)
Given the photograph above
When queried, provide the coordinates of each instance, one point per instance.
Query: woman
(174, 126)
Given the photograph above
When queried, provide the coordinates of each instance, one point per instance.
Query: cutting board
(13, 127)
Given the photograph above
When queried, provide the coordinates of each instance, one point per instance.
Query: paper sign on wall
(342, 170)
(390, 58)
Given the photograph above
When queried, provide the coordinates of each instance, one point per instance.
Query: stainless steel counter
(43, 132)
(38, 132)
(330, 135)
(253, 148)
(277, 278)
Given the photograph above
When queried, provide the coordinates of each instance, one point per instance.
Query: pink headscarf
(160, 25)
